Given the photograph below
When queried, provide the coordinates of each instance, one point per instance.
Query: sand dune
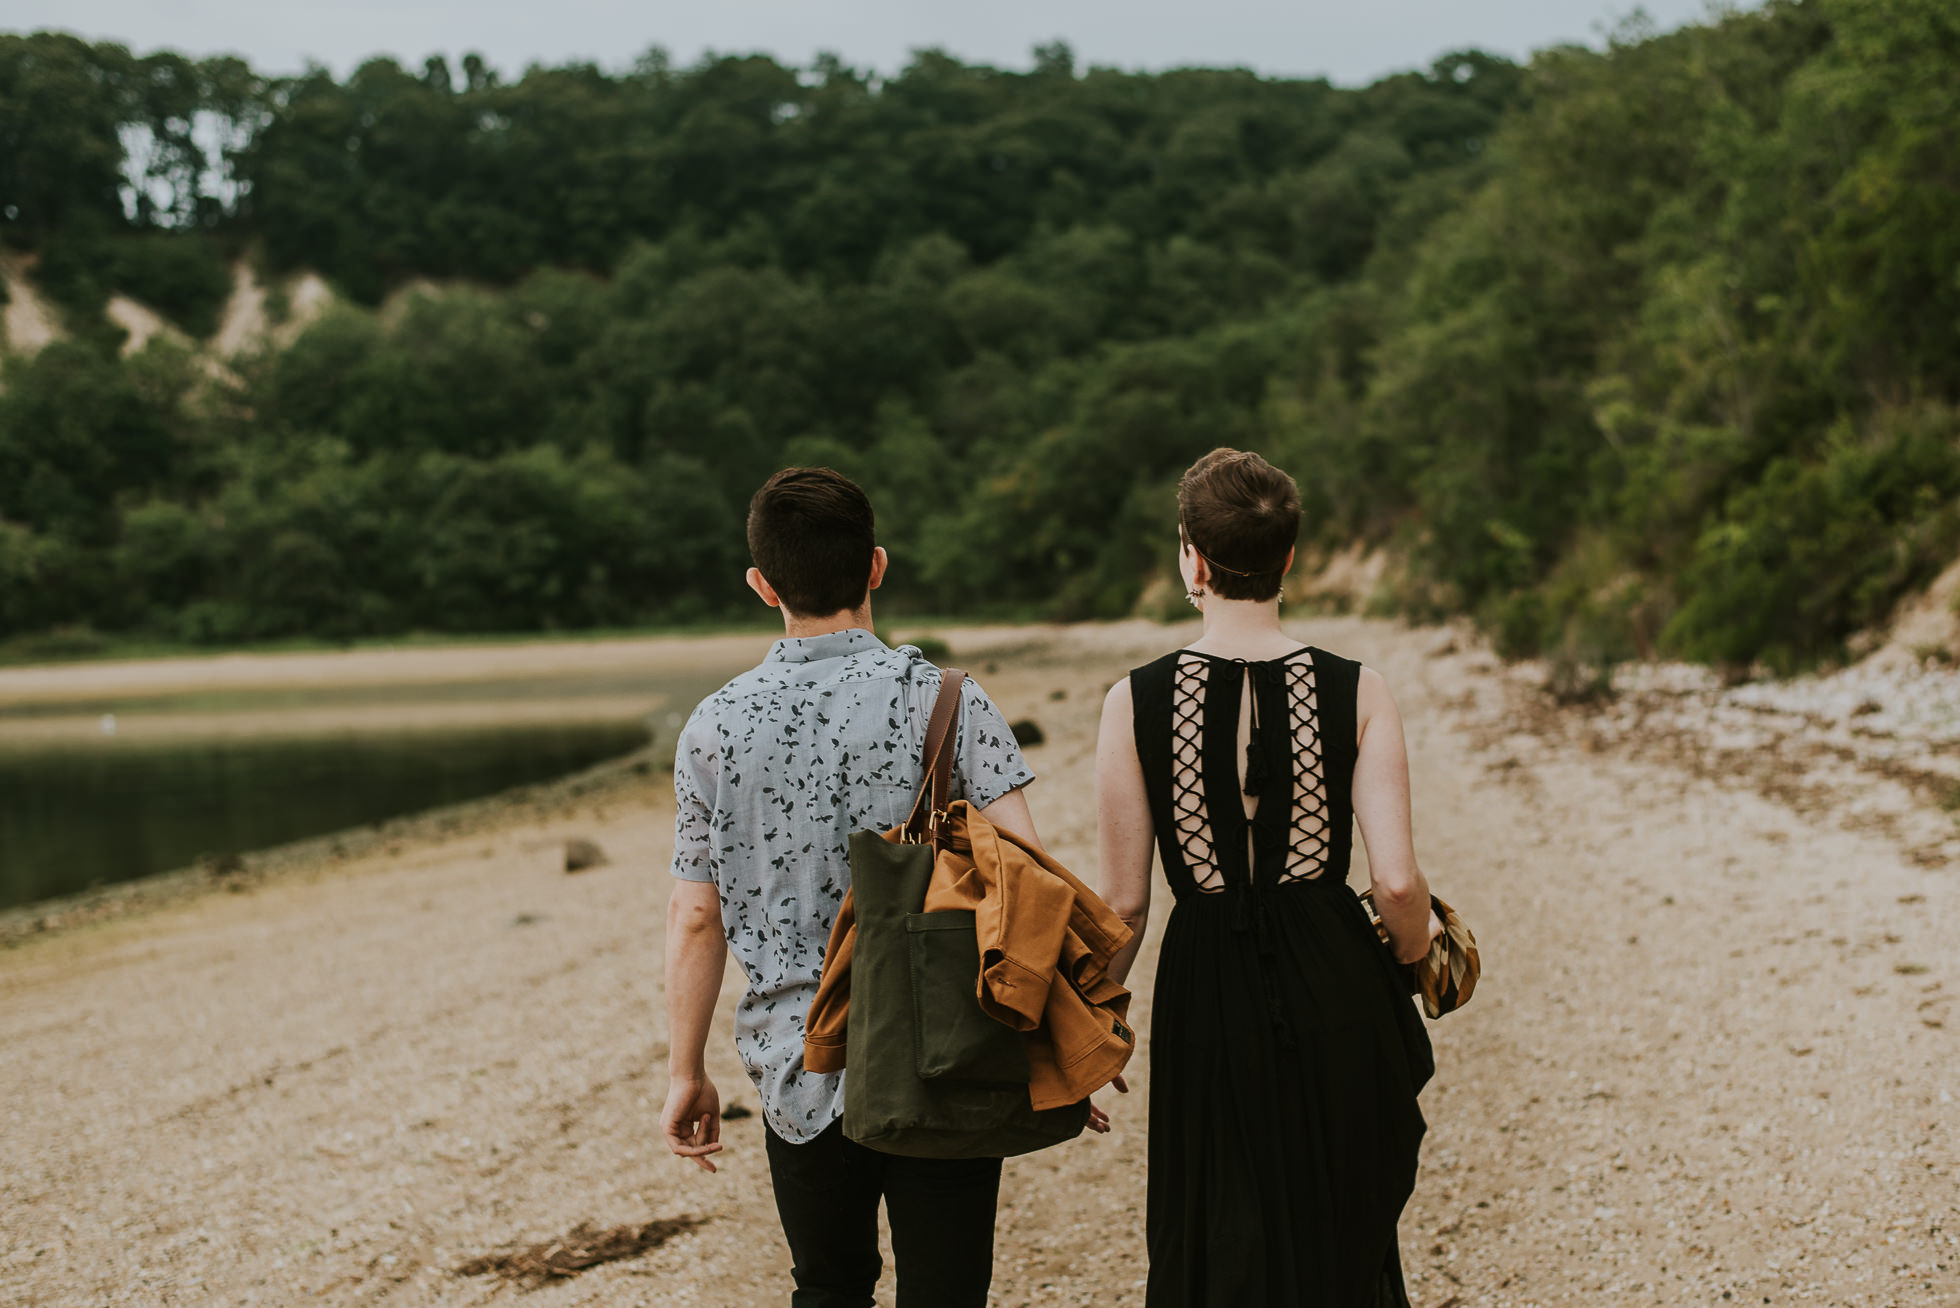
(28, 320)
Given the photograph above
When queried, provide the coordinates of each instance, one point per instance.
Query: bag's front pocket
(953, 1037)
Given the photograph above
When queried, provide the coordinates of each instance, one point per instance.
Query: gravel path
(1713, 1058)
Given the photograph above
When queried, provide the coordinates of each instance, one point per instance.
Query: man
(773, 773)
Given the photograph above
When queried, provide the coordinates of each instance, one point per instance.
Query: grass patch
(86, 645)
(80, 645)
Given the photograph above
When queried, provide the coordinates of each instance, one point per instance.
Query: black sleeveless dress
(1284, 1057)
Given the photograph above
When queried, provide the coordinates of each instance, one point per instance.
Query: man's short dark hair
(811, 534)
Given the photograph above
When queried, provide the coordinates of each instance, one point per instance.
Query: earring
(1196, 595)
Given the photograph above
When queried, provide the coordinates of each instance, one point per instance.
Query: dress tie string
(1255, 753)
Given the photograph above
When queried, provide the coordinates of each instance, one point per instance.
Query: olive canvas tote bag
(930, 1074)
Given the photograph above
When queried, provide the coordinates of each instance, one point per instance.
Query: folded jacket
(1046, 941)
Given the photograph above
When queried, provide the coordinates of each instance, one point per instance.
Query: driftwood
(584, 1246)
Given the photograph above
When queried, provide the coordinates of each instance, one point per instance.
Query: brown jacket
(1046, 941)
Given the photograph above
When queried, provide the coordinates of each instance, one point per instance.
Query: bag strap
(922, 826)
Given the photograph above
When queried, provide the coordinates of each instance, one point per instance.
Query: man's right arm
(697, 958)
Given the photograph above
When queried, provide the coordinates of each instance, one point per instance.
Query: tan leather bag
(1446, 976)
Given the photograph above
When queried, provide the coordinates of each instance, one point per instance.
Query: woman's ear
(764, 591)
(1200, 574)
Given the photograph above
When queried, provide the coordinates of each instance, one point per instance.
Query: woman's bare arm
(1123, 814)
(1381, 806)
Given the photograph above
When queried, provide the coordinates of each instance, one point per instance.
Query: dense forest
(1648, 349)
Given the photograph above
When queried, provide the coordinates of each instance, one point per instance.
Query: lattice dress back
(1223, 823)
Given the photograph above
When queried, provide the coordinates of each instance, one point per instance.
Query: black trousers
(941, 1212)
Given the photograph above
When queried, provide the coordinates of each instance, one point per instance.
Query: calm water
(73, 816)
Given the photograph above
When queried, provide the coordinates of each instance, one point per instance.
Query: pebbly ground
(1712, 1060)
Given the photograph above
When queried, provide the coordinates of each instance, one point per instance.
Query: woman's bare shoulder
(1119, 694)
(1372, 699)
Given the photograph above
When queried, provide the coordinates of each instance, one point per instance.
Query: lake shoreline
(129, 775)
(259, 695)
(319, 855)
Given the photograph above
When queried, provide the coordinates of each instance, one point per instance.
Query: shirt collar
(830, 645)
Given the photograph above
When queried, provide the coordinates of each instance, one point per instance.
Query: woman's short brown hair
(1242, 515)
(812, 533)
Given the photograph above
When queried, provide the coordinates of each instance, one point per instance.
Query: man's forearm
(697, 956)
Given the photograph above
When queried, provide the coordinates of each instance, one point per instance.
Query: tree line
(1644, 349)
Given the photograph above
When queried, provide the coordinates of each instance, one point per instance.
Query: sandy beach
(1713, 1057)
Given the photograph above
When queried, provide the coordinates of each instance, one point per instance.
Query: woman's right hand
(1428, 939)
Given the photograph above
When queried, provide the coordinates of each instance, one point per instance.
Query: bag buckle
(935, 818)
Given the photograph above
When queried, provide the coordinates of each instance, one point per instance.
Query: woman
(1285, 1054)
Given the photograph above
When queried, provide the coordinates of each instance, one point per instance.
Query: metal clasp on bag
(935, 818)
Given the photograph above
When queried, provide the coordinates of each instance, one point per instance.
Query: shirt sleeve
(697, 763)
(990, 761)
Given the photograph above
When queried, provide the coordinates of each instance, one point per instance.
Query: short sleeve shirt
(773, 773)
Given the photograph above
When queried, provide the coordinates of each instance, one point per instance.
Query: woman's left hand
(1098, 1119)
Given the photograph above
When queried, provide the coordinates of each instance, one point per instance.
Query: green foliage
(102, 172)
(181, 275)
(1654, 348)
(60, 155)
(1679, 376)
(935, 649)
(1817, 549)
(77, 431)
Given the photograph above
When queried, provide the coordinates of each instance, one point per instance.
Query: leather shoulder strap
(941, 732)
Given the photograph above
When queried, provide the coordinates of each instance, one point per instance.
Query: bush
(1820, 548)
(74, 271)
(934, 649)
(181, 275)
(37, 577)
(52, 645)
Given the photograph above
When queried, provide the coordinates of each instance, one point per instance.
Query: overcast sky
(1350, 41)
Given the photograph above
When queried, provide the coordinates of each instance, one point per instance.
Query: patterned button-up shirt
(773, 773)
